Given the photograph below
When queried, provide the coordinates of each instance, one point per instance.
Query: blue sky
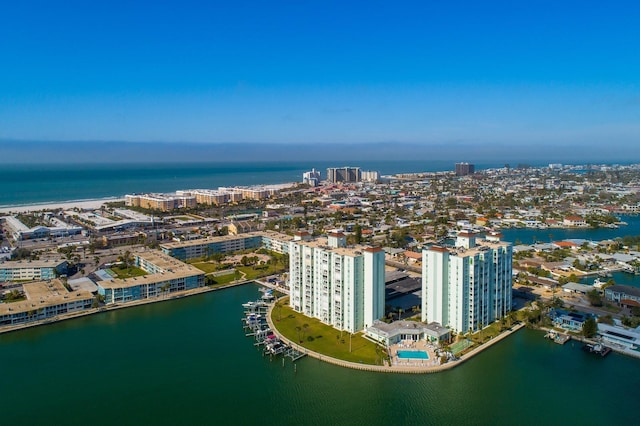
(520, 73)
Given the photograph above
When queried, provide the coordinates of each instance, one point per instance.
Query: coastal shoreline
(391, 368)
(53, 205)
(113, 307)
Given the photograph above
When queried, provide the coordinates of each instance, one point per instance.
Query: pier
(255, 325)
(598, 349)
(557, 337)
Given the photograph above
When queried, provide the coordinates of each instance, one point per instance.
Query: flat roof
(171, 269)
(323, 244)
(15, 264)
(209, 240)
(42, 294)
(83, 283)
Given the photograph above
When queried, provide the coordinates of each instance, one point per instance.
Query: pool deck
(421, 345)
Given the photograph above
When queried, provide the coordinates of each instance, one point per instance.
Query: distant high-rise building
(311, 178)
(464, 169)
(343, 174)
(370, 176)
(467, 286)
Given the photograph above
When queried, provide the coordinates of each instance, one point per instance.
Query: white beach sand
(88, 204)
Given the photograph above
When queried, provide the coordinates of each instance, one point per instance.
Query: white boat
(598, 283)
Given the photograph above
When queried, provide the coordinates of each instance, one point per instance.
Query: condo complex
(467, 286)
(44, 299)
(341, 286)
(166, 275)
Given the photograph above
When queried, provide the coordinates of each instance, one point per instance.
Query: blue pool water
(413, 354)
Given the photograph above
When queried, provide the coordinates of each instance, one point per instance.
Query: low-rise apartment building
(186, 250)
(166, 275)
(24, 270)
(44, 299)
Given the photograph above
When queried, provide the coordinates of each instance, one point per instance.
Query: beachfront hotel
(468, 286)
(23, 270)
(339, 285)
(166, 275)
(44, 299)
(160, 202)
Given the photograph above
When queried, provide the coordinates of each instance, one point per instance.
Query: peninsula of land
(63, 259)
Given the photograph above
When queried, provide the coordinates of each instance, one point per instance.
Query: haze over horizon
(283, 81)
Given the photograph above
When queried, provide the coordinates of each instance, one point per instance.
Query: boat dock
(597, 348)
(557, 337)
(255, 325)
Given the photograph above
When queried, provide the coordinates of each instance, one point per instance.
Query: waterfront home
(572, 321)
(621, 336)
(574, 221)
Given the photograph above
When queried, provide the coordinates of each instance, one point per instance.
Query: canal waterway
(530, 236)
(188, 362)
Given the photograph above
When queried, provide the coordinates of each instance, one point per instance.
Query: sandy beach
(86, 204)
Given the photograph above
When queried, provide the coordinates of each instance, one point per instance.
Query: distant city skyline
(498, 74)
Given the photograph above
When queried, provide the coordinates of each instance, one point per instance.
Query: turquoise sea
(23, 184)
(188, 362)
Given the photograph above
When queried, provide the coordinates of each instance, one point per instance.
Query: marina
(255, 325)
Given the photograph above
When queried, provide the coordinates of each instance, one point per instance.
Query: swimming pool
(413, 355)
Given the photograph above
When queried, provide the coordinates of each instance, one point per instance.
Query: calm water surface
(188, 362)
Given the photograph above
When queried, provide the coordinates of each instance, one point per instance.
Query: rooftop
(170, 269)
(42, 294)
(9, 264)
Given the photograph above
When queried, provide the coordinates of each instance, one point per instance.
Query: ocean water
(40, 183)
(188, 361)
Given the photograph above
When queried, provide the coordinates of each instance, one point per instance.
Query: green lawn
(206, 267)
(250, 272)
(222, 279)
(324, 339)
(129, 272)
(260, 271)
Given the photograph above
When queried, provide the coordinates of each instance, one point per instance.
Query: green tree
(589, 328)
(607, 319)
(594, 298)
(357, 230)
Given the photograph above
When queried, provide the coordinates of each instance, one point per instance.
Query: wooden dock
(556, 337)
